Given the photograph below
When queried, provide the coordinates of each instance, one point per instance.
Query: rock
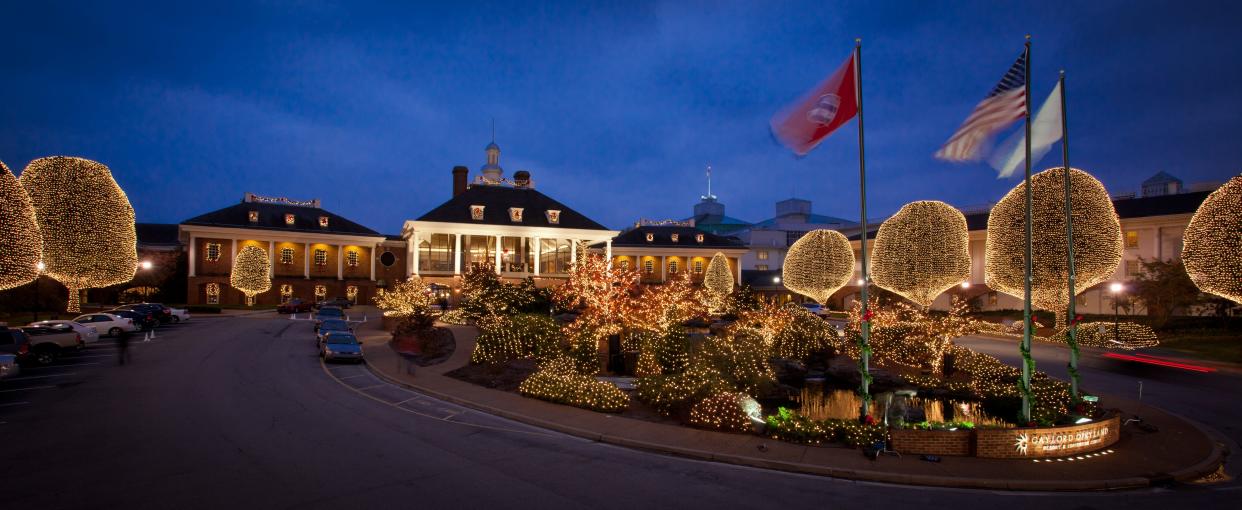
(789, 371)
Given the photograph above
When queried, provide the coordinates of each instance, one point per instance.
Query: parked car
(89, 335)
(340, 345)
(339, 302)
(330, 326)
(180, 315)
(107, 323)
(326, 313)
(47, 344)
(159, 312)
(815, 308)
(15, 343)
(294, 305)
(142, 321)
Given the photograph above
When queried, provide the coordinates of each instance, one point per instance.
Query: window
(436, 252)
(649, 266)
(254, 216)
(321, 257)
(351, 257)
(213, 293)
(763, 255)
(388, 259)
(698, 238)
(625, 264)
(515, 214)
(1132, 240)
(698, 267)
(764, 267)
(672, 266)
(992, 296)
(554, 216)
(675, 237)
(213, 252)
(476, 212)
(650, 237)
(321, 293)
(290, 219)
(1133, 268)
(323, 221)
(286, 255)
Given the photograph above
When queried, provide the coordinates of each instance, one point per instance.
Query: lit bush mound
(1126, 335)
(504, 338)
(557, 381)
(787, 425)
(723, 411)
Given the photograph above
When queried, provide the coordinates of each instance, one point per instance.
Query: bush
(670, 392)
(672, 350)
(454, 317)
(787, 425)
(503, 338)
(559, 382)
(741, 359)
(804, 334)
(724, 411)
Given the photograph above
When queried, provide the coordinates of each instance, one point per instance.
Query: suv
(14, 342)
(46, 344)
(294, 305)
(338, 302)
(159, 312)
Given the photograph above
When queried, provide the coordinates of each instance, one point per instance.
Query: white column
(271, 259)
(573, 252)
(414, 241)
(306, 256)
(457, 254)
(373, 251)
(234, 255)
(193, 255)
(340, 262)
(497, 254)
(739, 273)
(538, 254)
(662, 262)
(608, 252)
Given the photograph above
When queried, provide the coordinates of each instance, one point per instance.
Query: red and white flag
(805, 123)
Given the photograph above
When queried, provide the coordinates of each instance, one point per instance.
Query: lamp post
(38, 289)
(1116, 289)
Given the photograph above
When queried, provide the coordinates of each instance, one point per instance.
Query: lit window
(675, 237)
(254, 216)
(321, 293)
(476, 212)
(625, 265)
(672, 266)
(515, 214)
(213, 293)
(651, 237)
(323, 221)
(1131, 240)
(698, 238)
(763, 255)
(764, 267)
(698, 268)
(321, 257)
(213, 252)
(290, 219)
(351, 257)
(554, 216)
(649, 266)
(286, 256)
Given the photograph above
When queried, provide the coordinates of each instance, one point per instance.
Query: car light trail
(1152, 360)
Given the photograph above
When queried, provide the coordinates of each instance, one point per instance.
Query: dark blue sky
(613, 107)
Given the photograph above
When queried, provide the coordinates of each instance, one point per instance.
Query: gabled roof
(272, 217)
(1160, 178)
(496, 201)
(812, 219)
(662, 236)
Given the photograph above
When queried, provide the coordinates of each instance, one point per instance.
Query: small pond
(824, 402)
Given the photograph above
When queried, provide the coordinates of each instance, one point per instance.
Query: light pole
(1116, 289)
(38, 289)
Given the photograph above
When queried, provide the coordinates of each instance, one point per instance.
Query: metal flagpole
(1028, 364)
(864, 357)
(1071, 335)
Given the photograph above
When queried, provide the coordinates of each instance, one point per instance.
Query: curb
(1204, 467)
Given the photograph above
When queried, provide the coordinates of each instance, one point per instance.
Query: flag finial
(1028, 37)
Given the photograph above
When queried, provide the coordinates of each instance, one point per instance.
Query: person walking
(122, 345)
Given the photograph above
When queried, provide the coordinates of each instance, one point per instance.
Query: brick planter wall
(1044, 442)
(932, 442)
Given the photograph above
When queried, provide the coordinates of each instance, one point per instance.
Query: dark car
(338, 302)
(142, 320)
(328, 313)
(340, 345)
(331, 326)
(15, 342)
(294, 305)
(155, 311)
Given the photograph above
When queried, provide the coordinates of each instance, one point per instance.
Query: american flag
(1004, 105)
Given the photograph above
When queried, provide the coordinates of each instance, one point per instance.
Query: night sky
(614, 108)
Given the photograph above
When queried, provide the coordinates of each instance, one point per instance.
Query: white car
(182, 315)
(89, 335)
(107, 324)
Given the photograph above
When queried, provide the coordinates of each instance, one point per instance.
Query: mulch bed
(426, 348)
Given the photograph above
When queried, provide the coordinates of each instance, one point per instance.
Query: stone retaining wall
(1016, 443)
(933, 442)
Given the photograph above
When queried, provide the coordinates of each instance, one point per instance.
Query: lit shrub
(723, 411)
(503, 338)
(558, 381)
(456, 316)
(787, 425)
(666, 393)
(802, 335)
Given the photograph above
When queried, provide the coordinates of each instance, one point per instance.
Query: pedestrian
(122, 345)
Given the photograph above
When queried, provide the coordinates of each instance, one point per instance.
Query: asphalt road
(239, 413)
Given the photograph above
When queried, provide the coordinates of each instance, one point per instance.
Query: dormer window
(254, 216)
(554, 216)
(290, 219)
(323, 221)
(675, 237)
(476, 212)
(650, 237)
(698, 238)
(515, 214)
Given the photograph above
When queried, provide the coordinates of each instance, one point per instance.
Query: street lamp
(1116, 288)
(146, 264)
(965, 285)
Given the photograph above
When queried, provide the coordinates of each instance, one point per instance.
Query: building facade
(662, 250)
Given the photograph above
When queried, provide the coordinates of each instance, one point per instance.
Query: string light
(818, 264)
(1097, 239)
(558, 381)
(922, 251)
(20, 243)
(723, 411)
(508, 337)
(251, 272)
(1212, 245)
(86, 223)
(718, 281)
(405, 298)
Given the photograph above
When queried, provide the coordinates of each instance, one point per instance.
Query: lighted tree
(922, 251)
(1212, 247)
(661, 307)
(405, 298)
(1097, 239)
(251, 272)
(86, 222)
(20, 244)
(718, 281)
(818, 264)
(604, 297)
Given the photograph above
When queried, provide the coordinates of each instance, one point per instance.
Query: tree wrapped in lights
(251, 272)
(405, 298)
(20, 243)
(718, 281)
(1097, 239)
(1212, 244)
(818, 264)
(922, 251)
(86, 223)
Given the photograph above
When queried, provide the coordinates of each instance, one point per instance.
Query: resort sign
(1041, 442)
(1054, 441)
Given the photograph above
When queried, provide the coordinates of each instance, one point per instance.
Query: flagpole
(1071, 336)
(864, 357)
(1028, 364)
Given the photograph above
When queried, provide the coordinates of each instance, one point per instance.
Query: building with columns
(501, 224)
(661, 250)
(315, 254)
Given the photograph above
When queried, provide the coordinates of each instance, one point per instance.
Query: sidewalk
(1180, 451)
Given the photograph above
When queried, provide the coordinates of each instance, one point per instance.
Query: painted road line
(40, 376)
(32, 388)
(10, 404)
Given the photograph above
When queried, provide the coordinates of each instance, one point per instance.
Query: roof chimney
(521, 179)
(459, 179)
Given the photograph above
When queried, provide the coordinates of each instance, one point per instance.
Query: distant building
(769, 240)
(662, 250)
(1162, 184)
(709, 216)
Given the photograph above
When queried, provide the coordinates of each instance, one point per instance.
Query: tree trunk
(1060, 320)
(75, 297)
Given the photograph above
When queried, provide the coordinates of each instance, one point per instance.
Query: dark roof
(272, 217)
(151, 234)
(719, 224)
(1160, 178)
(498, 199)
(663, 236)
(394, 237)
(812, 219)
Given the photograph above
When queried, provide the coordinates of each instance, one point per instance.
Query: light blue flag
(1045, 131)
